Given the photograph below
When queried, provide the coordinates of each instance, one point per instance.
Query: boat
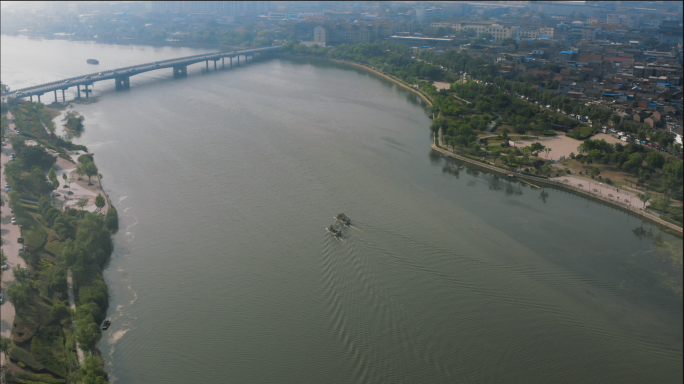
(106, 324)
(344, 219)
(92, 61)
(335, 232)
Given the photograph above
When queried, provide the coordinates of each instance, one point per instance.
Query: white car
(4, 267)
(14, 221)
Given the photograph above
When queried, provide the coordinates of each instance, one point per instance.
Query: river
(223, 272)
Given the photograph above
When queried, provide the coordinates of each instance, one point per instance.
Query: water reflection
(660, 267)
(543, 195)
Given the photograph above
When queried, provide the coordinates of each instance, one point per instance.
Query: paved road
(10, 233)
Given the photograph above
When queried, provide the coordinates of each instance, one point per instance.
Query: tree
(5, 344)
(496, 153)
(82, 202)
(99, 202)
(655, 159)
(645, 197)
(18, 294)
(547, 150)
(52, 174)
(92, 371)
(79, 171)
(59, 312)
(616, 119)
(65, 177)
(536, 148)
(90, 169)
(594, 172)
(88, 334)
(73, 121)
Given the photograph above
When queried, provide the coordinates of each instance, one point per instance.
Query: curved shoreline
(667, 226)
(374, 71)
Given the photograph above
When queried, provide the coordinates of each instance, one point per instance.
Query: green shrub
(609, 181)
(582, 132)
(549, 133)
(21, 355)
(535, 175)
(38, 379)
(47, 346)
(36, 238)
(52, 246)
(30, 208)
(112, 220)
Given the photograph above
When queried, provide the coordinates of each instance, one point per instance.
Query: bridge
(121, 76)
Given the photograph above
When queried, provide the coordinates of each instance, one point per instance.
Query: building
(499, 32)
(424, 15)
(319, 35)
(422, 41)
(535, 33)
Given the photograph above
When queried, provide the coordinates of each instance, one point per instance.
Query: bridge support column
(207, 65)
(231, 62)
(39, 98)
(86, 90)
(238, 57)
(55, 95)
(122, 83)
(214, 65)
(31, 98)
(78, 90)
(180, 71)
(223, 63)
(63, 98)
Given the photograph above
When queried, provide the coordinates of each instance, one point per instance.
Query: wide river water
(223, 272)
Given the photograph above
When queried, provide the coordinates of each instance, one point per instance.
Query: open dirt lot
(560, 145)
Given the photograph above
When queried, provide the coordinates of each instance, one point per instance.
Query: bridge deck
(126, 72)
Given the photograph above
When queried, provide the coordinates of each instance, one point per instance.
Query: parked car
(7, 189)
(1, 293)
(4, 267)
(20, 240)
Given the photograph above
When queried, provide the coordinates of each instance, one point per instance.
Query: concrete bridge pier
(180, 71)
(207, 65)
(122, 83)
(238, 58)
(31, 98)
(78, 90)
(38, 98)
(55, 95)
(63, 98)
(214, 65)
(231, 61)
(223, 63)
(86, 90)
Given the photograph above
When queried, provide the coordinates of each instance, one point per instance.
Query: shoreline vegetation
(525, 177)
(60, 297)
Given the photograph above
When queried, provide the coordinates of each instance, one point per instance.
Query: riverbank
(669, 227)
(51, 222)
(393, 79)
(536, 181)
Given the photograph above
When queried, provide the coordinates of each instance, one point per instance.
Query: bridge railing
(110, 71)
